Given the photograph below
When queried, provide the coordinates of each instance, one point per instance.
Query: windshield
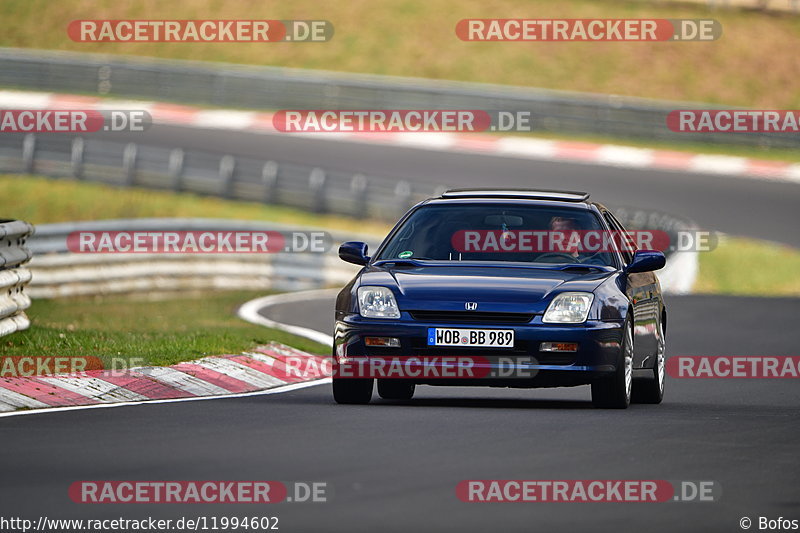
(502, 232)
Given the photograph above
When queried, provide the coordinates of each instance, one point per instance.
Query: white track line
(249, 312)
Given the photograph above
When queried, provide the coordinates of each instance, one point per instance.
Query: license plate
(488, 338)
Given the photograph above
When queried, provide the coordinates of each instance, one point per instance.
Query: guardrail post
(129, 163)
(76, 157)
(269, 176)
(402, 196)
(104, 80)
(176, 169)
(317, 181)
(227, 166)
(28, 152)
(358, 188)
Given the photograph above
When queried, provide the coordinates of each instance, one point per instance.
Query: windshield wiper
(582, 266)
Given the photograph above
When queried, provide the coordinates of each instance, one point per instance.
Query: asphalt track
(394, 466)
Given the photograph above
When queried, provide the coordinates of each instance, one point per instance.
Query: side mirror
(646, 261)
(354, 252)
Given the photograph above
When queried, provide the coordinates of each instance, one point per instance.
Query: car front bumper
(524, 365)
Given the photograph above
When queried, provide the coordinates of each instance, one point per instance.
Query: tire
(651, 390)
(614, 392)
(352, 390)
(395, 389)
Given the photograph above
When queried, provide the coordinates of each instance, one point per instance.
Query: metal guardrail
(59, 272)
(203, 172)
(251, 87)
(14, 253)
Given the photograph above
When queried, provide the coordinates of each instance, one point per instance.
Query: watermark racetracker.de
(729, 367)
(587, 491)
(198, 242)
(588, 30)
(734, 121)
(199, 31)
(73, 120)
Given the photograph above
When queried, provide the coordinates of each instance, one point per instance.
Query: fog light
(558, 347)
(388, 342)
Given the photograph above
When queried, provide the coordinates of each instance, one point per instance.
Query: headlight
(377, 302)
(569, 308)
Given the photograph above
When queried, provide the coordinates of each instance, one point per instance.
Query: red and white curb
(486, 144)
(271, 367)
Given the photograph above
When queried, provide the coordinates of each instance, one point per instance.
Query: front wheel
(352, 390)
(614, 392)
(651, 389)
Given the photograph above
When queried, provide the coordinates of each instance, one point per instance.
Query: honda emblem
(471, 306)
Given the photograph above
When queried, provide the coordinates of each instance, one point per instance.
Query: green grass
(165, 332)
(749, 267)
(40, 200)
(753, 64)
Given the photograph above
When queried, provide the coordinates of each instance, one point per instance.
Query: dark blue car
(503, 288)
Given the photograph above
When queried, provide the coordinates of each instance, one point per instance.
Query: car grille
(472, 317)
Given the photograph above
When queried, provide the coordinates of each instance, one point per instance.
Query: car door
(643, 292)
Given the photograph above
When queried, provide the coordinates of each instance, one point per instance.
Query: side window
(632, 242)
(613, 223)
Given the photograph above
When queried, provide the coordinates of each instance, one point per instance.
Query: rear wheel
(395, 389)
(614, 392)
(352, 391)
(651, 389)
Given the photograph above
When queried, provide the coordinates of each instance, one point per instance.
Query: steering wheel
(593, 259)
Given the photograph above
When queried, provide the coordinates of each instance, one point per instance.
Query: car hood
(494, 289)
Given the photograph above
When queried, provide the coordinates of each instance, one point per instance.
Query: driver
(567, 226)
